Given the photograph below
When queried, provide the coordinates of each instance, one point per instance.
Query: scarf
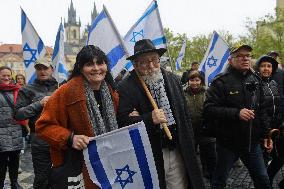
(157, 89)
(9, 87)
(105, 122)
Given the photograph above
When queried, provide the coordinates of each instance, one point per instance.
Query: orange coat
(66, 111)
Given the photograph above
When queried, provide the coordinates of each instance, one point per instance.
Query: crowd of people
(239, 116)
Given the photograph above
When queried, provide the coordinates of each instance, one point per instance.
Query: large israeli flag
(215, 59)
(148, 26)
(105, 35)
(58, 58)
(33, 47)
(181, 55)
(122, 159)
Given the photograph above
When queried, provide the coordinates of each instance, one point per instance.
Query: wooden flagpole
(153, 103)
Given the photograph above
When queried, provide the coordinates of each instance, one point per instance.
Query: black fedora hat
(145, 46)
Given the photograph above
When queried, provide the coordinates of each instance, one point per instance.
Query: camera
(252, 86)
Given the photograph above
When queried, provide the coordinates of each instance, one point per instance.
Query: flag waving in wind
(58, 59)
(104, 34)
(128, 163)
(149, 26)
(180, 55)
(33, 47)
(215, 59)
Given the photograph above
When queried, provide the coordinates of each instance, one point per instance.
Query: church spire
(94, 13)
(71, 14)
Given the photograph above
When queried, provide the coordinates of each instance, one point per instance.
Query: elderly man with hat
(31, 100)
(175, 158)
(233, 102)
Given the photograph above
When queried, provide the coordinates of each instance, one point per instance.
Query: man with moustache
(233, 101)
(175, 159)
(31, 100)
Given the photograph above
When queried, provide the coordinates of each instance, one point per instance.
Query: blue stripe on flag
(61, 69)
(101, 16)
(56, 46)
(141, 158)
(115, 55)
(98, 166)
(220, 67)
(128, 65)
(150, 10)
(215, 38)
(24, 20)
(159, 41)
(40, 46)
(33, 77)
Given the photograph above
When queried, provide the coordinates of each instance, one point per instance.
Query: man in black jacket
(175, 159)
(30, 103)
(233, 100)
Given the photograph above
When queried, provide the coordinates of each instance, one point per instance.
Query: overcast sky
(192, 17)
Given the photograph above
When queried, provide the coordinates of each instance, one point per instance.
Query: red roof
(16, 48)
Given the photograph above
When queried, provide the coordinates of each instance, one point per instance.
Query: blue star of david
(212, 61)
(136, 34)
(124, 182)
(27, 48)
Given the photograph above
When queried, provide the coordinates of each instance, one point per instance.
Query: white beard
(153, 78)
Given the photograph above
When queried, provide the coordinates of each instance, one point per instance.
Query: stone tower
(72, 27)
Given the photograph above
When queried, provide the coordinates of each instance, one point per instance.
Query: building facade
(12, 54)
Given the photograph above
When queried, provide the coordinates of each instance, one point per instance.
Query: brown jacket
(66, 111)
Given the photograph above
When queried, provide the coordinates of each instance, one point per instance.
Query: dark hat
(266, 58)
(273, 53)
(145, 46)
(239, 47)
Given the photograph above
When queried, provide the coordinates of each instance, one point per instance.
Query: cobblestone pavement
(239, 177)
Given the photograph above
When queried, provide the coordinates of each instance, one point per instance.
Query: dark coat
(132, 96)
(10, 130)
(226, 96)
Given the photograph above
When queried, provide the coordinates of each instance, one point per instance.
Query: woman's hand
(80, 142)
(268, 144)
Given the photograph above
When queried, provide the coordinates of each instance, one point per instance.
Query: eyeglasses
(146, 62)
(242, 56)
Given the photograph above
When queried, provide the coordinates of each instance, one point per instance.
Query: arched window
(74, 34)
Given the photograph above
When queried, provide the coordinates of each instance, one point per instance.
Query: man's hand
(158, 116)
(246, 114)
(80, 142)
(268, 145)
(44, 100)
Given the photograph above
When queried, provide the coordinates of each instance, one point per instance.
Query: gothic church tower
(72, 27)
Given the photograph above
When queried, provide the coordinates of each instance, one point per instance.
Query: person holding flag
(87, 104)
(175, 157)
(233, 102)
(31, 100)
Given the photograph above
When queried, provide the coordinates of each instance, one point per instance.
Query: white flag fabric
(180, 55)
(122, 159)
(58, 58)
(105, 35)
(149, 26)
(33, 47)
(215, 59)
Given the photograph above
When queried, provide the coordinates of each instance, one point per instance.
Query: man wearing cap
(175, 159)
(233, 101)
(30, 103)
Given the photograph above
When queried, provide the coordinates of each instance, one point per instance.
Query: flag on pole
(215, 59)
(33, 47)
(181, 55)
(116, 163)
(58, 59)
(148, 26)
(104, 34)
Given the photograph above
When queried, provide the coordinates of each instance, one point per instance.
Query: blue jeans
(252, 160)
